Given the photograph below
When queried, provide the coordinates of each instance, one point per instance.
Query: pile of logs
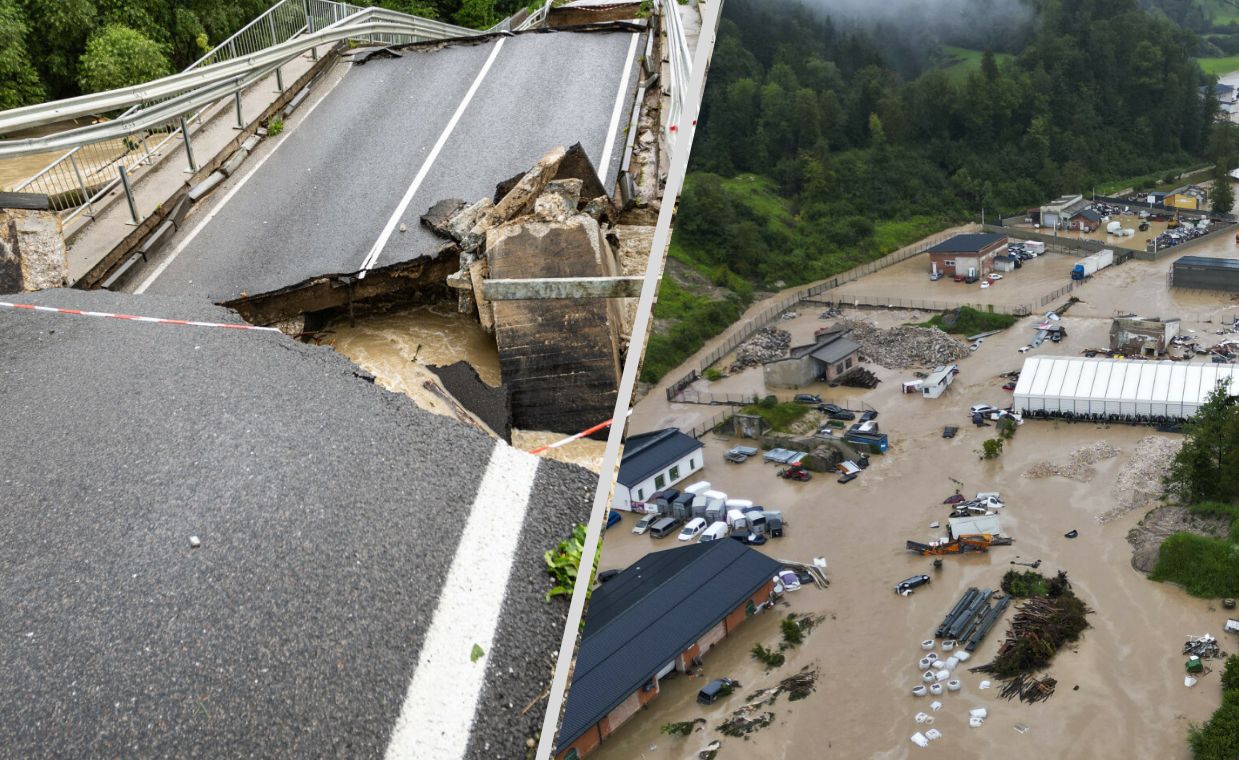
(1029, 689)
(858, 377)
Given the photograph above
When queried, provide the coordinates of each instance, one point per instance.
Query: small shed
(832, 355)
(965, 254)
(939, 380)
(1004, 263)
(1206, 273)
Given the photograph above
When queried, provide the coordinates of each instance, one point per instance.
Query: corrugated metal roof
(1207, 262)
(836, 350)
(650, 613)
(647, 453)
(971, 243)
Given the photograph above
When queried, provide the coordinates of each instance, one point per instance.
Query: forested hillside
(58, 48)
(860, 159)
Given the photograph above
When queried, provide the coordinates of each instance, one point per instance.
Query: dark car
(869, 414)
(807, 398)
(1056, 336)
(843, 414)
(848, 478)
(906, 585)
(752, 539)
(716, 690)
(830, 408)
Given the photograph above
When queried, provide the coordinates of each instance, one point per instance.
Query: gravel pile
(904, 346)
(1141, 480)
(1078, 465)
(766, 345)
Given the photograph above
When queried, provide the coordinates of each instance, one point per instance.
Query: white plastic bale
(919, 739)
(936, 689)
(933, 734)
(979, 712)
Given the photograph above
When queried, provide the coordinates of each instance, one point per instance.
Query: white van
(737, 521)
(692, 529)
(716, 531)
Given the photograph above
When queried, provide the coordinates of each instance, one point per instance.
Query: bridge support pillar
(32, 245)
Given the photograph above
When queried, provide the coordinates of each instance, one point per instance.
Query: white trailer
(1105, 258)
(1035, 247)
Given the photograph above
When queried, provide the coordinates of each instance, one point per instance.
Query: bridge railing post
(124, 181)
(189, 146)
(90, 207)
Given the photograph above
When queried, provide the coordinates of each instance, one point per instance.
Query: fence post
(124, 181)
(82, 184)
(189, 147)
(240, 118)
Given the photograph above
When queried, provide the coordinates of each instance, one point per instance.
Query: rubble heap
(766, 345)
(1141, 480)
(904, 346)
(1078, 465)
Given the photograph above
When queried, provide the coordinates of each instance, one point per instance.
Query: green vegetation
(713, 374)
(275, 126)
(778, 416)
(1046, 621)
(1218, 737)
(697, 319)
(1219, 66)
(991, 448)
(62, 48)
(1207, 567)
(768, 657)
(680, 728)
(824, 143)
(792, 634)
(1025, 584)
(960, 62)
(969, 321)
(564, 562)
(1221, 194)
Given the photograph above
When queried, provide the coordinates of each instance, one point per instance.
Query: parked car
(735, 457)
(644, 524)
(716, 690)
(716, 531)
(789, 579)
(752, 539)
(807, 398)
(848, 478)
(935, 276)
(869, 414)
(831, 408)
(916, 581)
(842, 414)
(692, 529)
(613, 518)
(984, 409)
(1008, 386)
(994, 277)
(663, 527)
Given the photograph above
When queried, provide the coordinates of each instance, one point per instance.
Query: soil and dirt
(905, 346)
(1078, 465)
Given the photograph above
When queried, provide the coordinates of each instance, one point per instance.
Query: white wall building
(1070, 386)
(652, 462)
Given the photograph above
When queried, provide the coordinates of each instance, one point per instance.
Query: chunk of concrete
(468, 227)
(438, 215)
(251, 142)
(486, 311)
(32, 251)
(198, 191)
(179, 211)
(558, 200)
(520, 199)
(234, 162)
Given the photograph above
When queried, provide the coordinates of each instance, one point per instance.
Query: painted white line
(180, 246)
(604, 160)
(375, 250)
(438, 710)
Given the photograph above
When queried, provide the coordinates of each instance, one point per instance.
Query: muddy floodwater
(398, 345)
(1120, 693)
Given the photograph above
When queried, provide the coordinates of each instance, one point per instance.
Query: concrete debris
(558, 201)
(438, 215)
(1078, 465)
(904, 346)
(194, 542)
(1140, 481)
(766, 345)
(32, 251)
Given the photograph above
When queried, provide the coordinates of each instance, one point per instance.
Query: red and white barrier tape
(577, 437)
(133, 318)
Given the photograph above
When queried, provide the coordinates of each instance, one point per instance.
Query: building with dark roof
(831, 355)
(1085, 220)
(967, 254)
(1205, 273)
(659, 615)
(652, 462)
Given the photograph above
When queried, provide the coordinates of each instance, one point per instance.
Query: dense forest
(59, 48)
(815, 153)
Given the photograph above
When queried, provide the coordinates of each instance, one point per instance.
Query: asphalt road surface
(391, 139)
(331, 516)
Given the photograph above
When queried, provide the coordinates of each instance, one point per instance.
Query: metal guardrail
(102, 155)
(680, 67)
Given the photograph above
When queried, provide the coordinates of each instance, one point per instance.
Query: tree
(19, 82)
(1206, 468)
(477, 14)
(1222, 194)
(117, 56)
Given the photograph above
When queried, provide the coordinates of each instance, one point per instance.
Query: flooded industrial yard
(1127, 664)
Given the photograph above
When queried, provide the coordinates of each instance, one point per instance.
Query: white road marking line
(604, 160)
(375, 250)
(163, 265)
(437, 715)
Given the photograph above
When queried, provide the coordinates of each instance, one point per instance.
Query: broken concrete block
(520, 199)
(576, 165)
(32, 251)
(251, 142)
(177, 215)
(194, 542)
(486, 311)
(460, 280)
(234, 162)
(438, 215)
(205, 186)
(468, 227)
(558, 200)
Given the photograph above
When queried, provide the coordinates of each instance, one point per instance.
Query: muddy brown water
(399, 345)
(1131, 700)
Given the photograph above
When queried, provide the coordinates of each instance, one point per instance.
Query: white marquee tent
(1067, 385)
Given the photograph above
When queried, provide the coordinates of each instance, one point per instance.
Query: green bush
(970, 322)
(1230, 674)
(275, 125)
(1024, 584)
(792, 633)
(1205, 566)
(1218, 737)
(768, 657)
(713, 374)
(779, 416)
(991, 449)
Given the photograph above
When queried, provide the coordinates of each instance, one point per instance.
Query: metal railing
(161, 111)
(680, 67)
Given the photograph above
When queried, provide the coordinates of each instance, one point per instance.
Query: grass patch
(1219, 66)
(1207, 567)
(969, 321)
(1154, 180)
(778, 416)
(961, 62)
(697, 320)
